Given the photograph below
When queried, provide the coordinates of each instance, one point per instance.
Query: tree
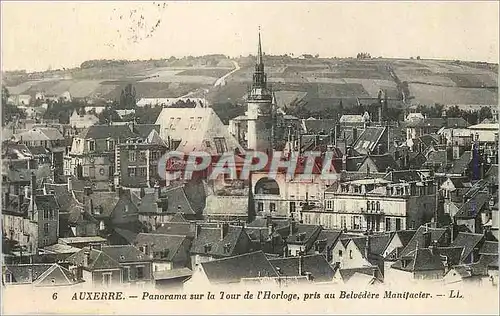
(485, 113)
(454, 111)
(127, 97)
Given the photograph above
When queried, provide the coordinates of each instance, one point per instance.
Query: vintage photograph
(196, 157)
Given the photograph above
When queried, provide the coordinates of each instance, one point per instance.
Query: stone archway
(267, 186)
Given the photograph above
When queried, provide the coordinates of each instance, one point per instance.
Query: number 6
(54, 296)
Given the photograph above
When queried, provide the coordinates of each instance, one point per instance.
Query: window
(378, 206)
(92, 172)
(207, 144)
(45, 214)
(142, 171)
(292, 207)
(132, 156)
(398, 223)
(111, 144)
(155, 155)
(131, 171)
(373, 206)
(126, 274)
(260, 207)
(340, 253)
(272, 207)
(142, 156)
(140, 273)
(8, 278)
(343, 222)
(46, 229)
(329, 204)
(357, 222)
(91, 145)
(387, 224)
(220, 144)
(350, 254)
(106, 279)
(367, 205)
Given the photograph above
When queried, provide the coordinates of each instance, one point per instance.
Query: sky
(42, 35)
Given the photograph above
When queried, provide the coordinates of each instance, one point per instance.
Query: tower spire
(259, 53)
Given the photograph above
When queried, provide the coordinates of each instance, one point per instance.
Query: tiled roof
(468, 241)
(438, 122)
(427, 139)
(437, 158)
(64, 197)
(368, 140)
(128, 234)
(21, 272)
(107, 131)
(186, 199)
(418, 239)
(209, 241)
(58, 276)
(405, 236)
(168, 244)
(46, 202)
(330, 236)
(397, 176)
(346, 274)
(97, 260)
(489, 248)
(320, 269)
(461, 165)
(81, 239)
(382, 162)
(172, 274)
(124, 253)
(233, 269)
(452, 254)
(316, 126)
(19, 175)
(378, 243)
(178, 218)
(473, 206)
(421, 259)
(172, 228)
(302, 234)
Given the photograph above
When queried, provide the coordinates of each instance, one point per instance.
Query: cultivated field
(321, 83)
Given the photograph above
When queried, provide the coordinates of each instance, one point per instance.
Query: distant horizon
(40, 35)
(246, 56)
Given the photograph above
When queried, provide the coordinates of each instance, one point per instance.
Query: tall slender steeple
(260, 108)
(259, 76)
(259, 52)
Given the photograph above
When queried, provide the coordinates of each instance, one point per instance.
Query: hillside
(319, 85)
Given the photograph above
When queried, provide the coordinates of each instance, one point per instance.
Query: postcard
(250, 157)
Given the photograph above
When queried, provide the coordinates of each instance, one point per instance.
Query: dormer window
(91, 144)
(111, 144)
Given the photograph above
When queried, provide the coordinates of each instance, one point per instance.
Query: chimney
(70, 184)
(33, 184)
(269, 223)
(292, 225)
(301, 263)
(87, 190)
(96, 246)
(367, 246)
(354, 135)
(427, 238)
(432, 247)
(86, 258)
(224, 228)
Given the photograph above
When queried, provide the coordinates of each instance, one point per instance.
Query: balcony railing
(372, 212)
